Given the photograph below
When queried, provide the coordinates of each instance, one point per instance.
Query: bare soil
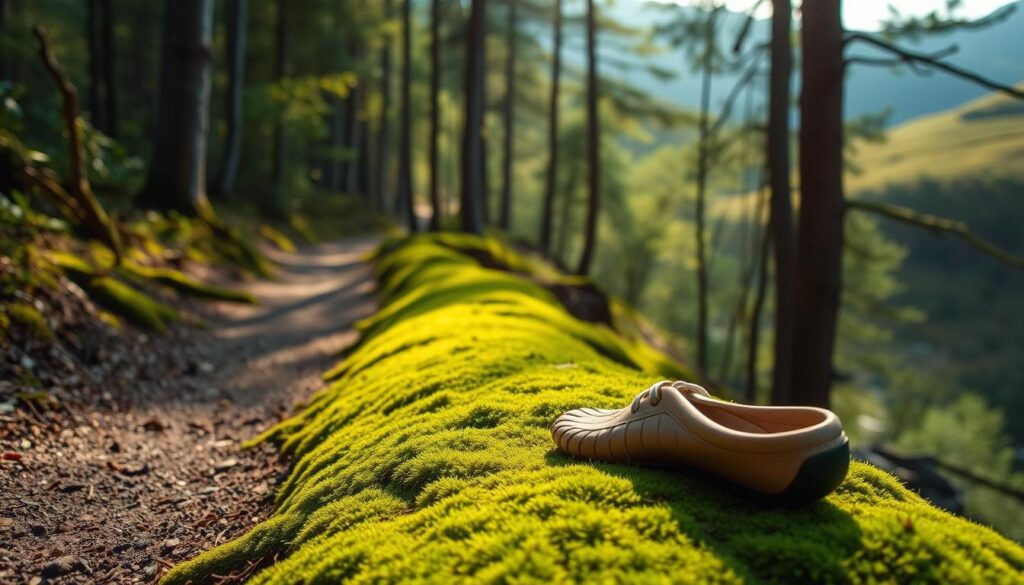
(131, 461)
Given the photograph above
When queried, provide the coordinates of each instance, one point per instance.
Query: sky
(866, 14)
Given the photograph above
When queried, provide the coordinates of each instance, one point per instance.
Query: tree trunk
(177, 173)
(6, 73)
(754, 333)
(382, 184)
(96, 108)
(703, 150)
(435, 112)
(109, 70)
(781, 199)
(820, 242)
(354, 139)
(472, 213)
(405, 197)
(276, 205)
(593, 146)
(552, 177)
(235, 48)
(505, 213)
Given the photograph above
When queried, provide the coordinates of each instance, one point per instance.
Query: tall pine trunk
(236, 15)
(703, 160)
(405, 197)
(471, 200)
(108, 65)
(6, 73)
(820, 236)
(276, 204)
(551, 181)
(593, 146)
(381, 171)
(505, 211)
(781, 199)
(177, 173)
(95, 59)
(435, 112)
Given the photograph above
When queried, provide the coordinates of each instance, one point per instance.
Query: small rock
(63, 566)
(37, 530)
(153, 425)
(225, 465)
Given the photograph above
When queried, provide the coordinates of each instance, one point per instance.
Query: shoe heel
(818, 476)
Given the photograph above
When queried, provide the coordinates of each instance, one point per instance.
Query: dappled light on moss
(428, 457)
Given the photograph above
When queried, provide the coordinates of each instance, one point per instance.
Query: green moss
(116, 296)
(276, 237)
(184, 284)
(429, 458)
(29, 318)
(136, 306)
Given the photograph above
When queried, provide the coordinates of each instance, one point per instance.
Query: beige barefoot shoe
(796, 453)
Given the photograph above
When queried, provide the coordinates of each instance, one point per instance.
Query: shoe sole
(817, 476)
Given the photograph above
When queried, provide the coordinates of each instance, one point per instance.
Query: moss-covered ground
(428, 458)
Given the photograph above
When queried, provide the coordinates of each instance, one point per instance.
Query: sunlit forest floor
(151, 474)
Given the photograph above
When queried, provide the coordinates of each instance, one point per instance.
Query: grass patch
(429, 458)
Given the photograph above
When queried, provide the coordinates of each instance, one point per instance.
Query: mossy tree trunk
(79, 199)
(236, 15)
(551, 179)
(177, 173)
(473, 169)
(820, 235)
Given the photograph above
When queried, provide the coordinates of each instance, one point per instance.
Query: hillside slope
(982, 138)
(429, 459)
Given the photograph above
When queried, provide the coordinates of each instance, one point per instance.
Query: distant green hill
(965, 164)
(982, 138)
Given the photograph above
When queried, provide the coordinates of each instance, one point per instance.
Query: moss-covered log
(429, 458)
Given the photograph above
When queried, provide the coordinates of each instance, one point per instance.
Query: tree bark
(178, 168)
(6, 72)
(108, 65)
(703, 150)
(405, 196)
(551, 183)
(435, 112)
(593, 146)
(96, 108)
(236, 14)
(276, 204)
(382, 184)
(472, 217)
(505, 212)
(820, 236)
(781, 199)
(353, 139)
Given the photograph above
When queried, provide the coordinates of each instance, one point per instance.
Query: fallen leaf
(11, 456)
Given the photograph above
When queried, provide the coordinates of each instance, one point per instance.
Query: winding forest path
(155, 475)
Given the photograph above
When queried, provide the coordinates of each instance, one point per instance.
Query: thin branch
(737, 46)
(731, 99)
(912, 57)
(939, 226)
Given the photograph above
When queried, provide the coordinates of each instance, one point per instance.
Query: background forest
(321, 108)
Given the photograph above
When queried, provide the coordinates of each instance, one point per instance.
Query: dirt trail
(152, 473)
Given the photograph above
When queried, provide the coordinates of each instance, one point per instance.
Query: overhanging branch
(912, 57)
(939, 226)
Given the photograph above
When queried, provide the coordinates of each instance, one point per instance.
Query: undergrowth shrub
(429, 458)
